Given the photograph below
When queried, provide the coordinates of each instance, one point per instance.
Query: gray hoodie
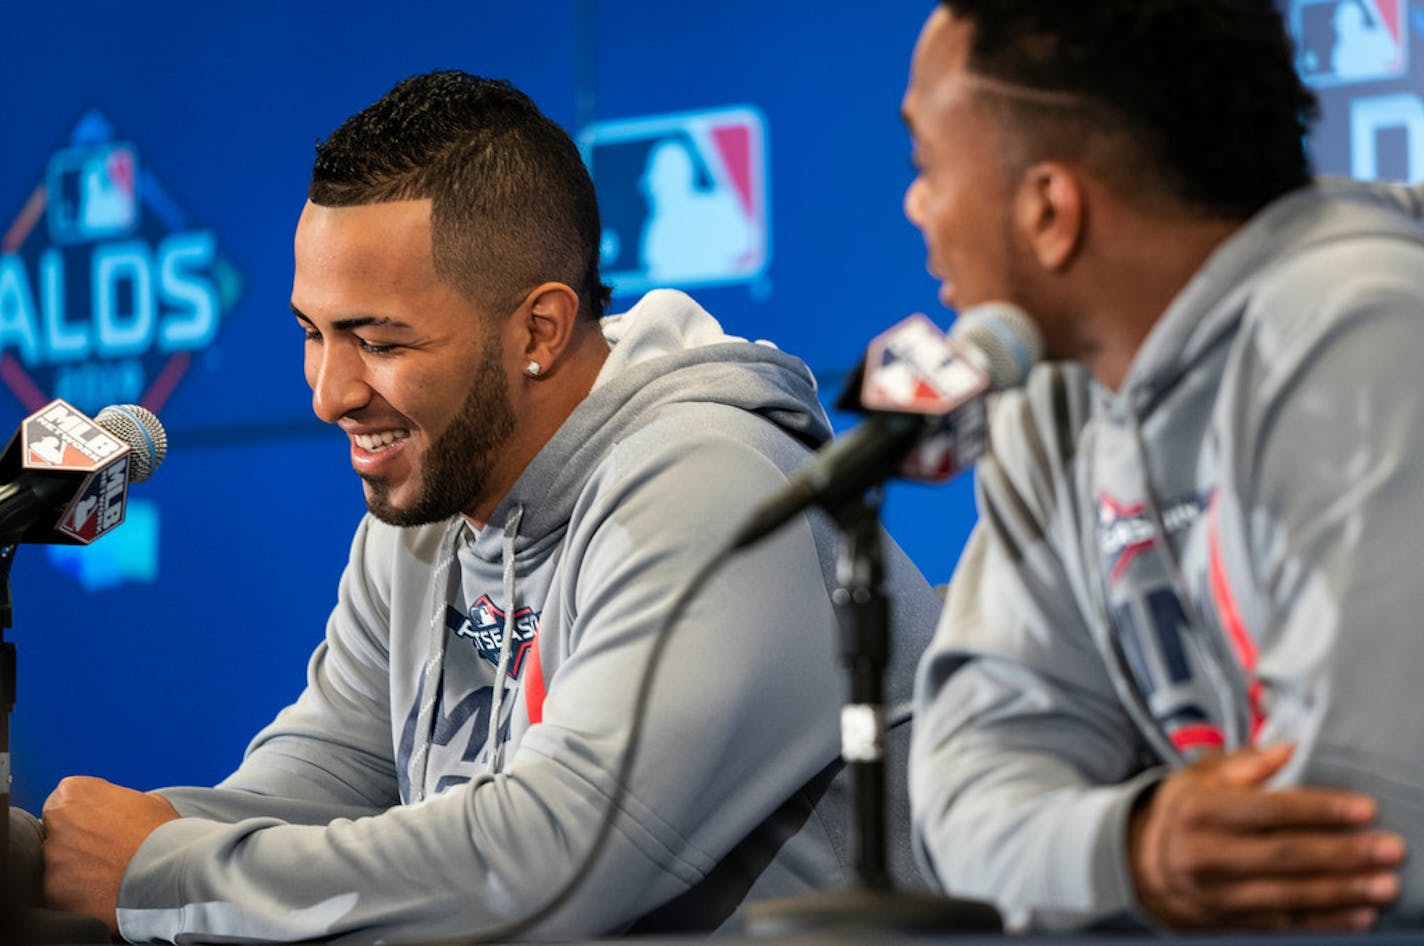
(1223, 553)
(439, 776)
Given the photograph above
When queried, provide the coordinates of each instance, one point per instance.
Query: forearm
(414, 872)
(229, 805)
(1009, 807)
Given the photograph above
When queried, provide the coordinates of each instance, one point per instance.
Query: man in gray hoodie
(1175, 680)
(541, 485)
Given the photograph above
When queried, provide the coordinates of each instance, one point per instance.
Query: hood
(1212, 302)
(665, 350)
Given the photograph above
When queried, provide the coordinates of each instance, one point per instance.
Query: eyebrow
(360, 321)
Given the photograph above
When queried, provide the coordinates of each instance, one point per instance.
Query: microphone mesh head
(1003, 338)
(141, 430)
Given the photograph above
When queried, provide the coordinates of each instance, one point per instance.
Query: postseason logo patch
(107, 286)
(683, 198)
(484, 628)
(1339, 42)
(1125, 530)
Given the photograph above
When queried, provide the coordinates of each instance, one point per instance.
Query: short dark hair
(512, 204)
(1202, 95)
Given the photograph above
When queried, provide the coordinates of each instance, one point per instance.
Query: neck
(1152, 260)
(541, 407)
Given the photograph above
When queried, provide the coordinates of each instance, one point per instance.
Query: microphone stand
(871, 903)
(27, 922)
(7, 706)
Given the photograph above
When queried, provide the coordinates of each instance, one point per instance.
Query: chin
(383, 505)
(398, 516)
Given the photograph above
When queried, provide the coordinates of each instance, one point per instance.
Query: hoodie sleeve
(1024, 764)
(745, 702)
(1316, 535)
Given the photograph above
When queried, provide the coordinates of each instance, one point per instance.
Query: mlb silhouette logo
(1344, 41)
(683, 198)
(92, 193)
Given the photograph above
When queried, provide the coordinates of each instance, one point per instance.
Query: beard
(456, 467)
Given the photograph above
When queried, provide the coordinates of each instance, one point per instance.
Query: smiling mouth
(375, 443)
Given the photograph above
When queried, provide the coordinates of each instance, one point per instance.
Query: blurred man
(1174, 681)
(541, 486)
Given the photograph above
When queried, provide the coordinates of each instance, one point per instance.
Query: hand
(92, 830)
(1212, 848)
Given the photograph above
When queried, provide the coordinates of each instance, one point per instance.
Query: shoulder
(1356, 252)
(702, 437)
(1035, 436)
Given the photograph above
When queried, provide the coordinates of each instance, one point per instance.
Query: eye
(309, 334)
(375, 348)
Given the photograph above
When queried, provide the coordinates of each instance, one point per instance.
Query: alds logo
(106, 286)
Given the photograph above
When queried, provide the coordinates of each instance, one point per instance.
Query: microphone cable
(512, 929)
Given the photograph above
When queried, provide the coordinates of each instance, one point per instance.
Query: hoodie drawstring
(511, 532)
(1128, 692)
(431, 674)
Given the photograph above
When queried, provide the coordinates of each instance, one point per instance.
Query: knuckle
(1186, 862)
(1377, 888)
(1196, 809)
(1284, 851)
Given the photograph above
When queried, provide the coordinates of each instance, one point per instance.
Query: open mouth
(375, 443)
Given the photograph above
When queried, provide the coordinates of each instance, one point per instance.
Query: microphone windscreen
(1006, 340)
(142, 431)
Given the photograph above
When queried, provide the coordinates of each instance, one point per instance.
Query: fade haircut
(1195, 99)
(512, 205)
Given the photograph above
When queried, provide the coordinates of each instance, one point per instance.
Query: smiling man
(541, 483)
(1175, 679)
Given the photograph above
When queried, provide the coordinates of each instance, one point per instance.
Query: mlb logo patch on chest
(484, 628)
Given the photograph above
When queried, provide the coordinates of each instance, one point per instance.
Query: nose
(914, 201)
(334, 372)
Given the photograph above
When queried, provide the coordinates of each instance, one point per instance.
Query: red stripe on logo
(734, 147)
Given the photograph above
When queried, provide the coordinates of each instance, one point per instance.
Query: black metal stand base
(859, 910)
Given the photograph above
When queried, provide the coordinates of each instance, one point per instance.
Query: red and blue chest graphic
(1173, 665)
(484, 628)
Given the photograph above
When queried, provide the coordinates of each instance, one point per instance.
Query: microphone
(65, 477)
(927, 397)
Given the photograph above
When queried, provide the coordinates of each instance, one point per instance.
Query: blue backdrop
(155, 159)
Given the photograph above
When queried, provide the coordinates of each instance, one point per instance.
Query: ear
(1050, 213)
(549, 319)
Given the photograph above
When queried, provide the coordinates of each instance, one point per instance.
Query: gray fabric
(1223, 552)
(319, 834)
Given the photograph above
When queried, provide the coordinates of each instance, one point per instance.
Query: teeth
(379, 441)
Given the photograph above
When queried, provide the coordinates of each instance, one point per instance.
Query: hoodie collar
(665, 350)
(1213, 301)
